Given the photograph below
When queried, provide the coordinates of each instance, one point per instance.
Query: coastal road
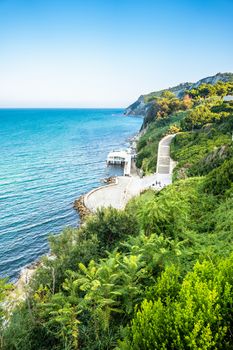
(117, 195)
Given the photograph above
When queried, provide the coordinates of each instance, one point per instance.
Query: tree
(110, 225)
(206, 90)
(187, 102)
(168, 94)
(173, 129)
(221, 88)
(198, 117)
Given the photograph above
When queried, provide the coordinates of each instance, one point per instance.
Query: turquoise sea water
(49, 157)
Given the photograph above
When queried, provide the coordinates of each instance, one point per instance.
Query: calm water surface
(48, 158)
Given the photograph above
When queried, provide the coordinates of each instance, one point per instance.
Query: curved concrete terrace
(118, 194)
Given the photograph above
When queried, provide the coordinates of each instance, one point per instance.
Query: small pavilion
(120, 157)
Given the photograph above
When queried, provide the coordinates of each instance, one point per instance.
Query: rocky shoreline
(19, 289)
(80, 207)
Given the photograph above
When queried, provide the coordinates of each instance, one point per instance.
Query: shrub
(111, 225)
(220, 179)
(198, 316)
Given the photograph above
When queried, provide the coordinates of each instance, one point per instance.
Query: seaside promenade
(118, 194)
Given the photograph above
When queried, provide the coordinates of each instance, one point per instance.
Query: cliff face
(141, 106)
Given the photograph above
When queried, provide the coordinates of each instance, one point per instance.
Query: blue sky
(96, 53)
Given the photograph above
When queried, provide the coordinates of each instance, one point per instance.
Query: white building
(120, 157)
(228, 98)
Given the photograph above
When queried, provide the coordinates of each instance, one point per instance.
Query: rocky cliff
(141, 106)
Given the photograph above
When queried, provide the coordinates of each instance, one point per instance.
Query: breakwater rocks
(81, 208)
(109, 180)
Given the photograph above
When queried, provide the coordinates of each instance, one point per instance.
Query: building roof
(228, 98)
(120, 154)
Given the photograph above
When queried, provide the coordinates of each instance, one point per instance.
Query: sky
(105, 53)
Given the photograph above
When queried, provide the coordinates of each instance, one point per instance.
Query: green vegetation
(200, 150)
(166, 105)
(4, 288)
(2, 296)
(157, 275)
(207, 90)
(219, 81)
(194, 313)
(181, 88)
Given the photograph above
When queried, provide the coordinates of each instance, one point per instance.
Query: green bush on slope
(95, 296)
(219, 180)
(196, 315)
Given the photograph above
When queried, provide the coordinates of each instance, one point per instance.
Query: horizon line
(62, 108)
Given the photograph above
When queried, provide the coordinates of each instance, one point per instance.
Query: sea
(48, 158)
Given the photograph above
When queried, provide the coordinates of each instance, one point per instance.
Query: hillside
(143, 103)
(169, 114)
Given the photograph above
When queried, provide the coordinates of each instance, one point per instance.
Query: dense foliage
(195, 313)
(200, 150)
(165, 105)
(206, 90)
(157, 275)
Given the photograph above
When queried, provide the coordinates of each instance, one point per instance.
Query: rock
(81, 208)
(110, 180)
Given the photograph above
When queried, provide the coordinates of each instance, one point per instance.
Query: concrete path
(117, 195)
(165, 164)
